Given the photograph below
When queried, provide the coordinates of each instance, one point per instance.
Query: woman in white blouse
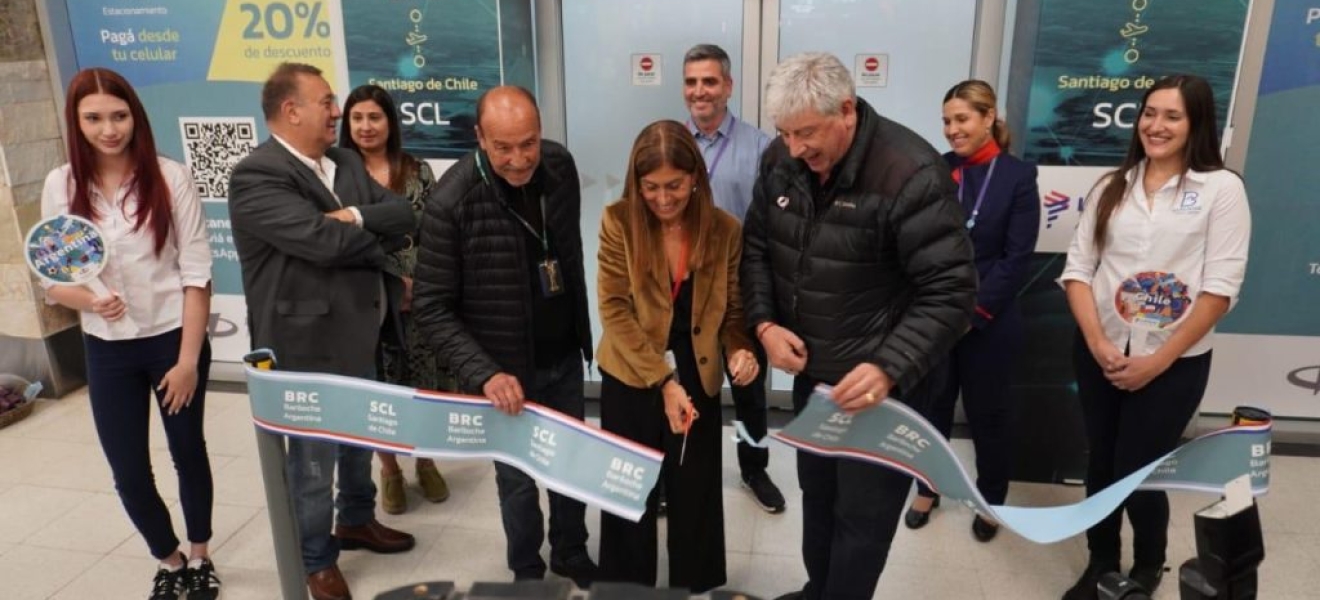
(1157, 260)
(150, 333)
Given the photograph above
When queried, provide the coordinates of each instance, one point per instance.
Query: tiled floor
(64, 535)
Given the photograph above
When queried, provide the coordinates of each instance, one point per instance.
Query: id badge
(552, 279)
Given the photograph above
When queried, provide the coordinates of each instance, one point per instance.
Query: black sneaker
(1147, 577)
(1087, 586)
(202, 582)
(579, 567)
(168, 584)
(764, 492)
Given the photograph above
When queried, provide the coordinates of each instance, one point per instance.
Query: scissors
(689, 416)
(687, 426)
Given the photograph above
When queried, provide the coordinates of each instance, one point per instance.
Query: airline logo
(1056, 203)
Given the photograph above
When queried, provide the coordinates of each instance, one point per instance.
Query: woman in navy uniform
(1002, 204)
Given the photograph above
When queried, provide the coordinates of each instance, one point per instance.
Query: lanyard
(682, 272)
(724, 145)
(544, 236)
(980, 196)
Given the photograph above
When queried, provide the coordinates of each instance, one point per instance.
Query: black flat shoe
(915, 519)
(984, 530)
(1147, 577)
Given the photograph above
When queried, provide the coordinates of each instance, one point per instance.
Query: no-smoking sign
(871, 70)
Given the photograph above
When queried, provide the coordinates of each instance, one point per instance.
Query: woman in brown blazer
(668, 284)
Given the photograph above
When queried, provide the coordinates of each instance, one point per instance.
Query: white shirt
(325, 171)
(151, 286)
(1197, 233)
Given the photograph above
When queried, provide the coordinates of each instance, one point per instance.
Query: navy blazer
(1006, 229)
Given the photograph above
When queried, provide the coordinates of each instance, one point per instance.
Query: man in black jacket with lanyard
(857, 272)
(501, 294)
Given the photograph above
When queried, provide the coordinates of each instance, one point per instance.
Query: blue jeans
(121, 376)
(558, 387)
(311, 471)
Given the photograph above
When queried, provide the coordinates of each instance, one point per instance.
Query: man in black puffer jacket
(501, 294)
(857, 272)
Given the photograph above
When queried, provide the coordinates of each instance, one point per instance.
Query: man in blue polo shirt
(732, 149)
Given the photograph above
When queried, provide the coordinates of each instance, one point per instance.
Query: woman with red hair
(149, 334)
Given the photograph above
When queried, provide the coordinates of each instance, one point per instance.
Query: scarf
(983, 155)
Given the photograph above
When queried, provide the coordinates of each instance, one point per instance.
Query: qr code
(212, 146)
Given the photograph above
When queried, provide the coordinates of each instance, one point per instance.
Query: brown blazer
(636, 311)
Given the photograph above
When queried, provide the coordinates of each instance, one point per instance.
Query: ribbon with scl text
(563, 453)
(894, 436)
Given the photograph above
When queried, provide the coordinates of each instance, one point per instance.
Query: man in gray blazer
(312, 230)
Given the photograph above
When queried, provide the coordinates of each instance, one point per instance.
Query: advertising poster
(1085, 83)
(1267, 346)
(1093, 61)
(198, 67)
(435, 59)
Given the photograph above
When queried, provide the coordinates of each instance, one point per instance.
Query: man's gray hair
(710, 52)
(814, 80)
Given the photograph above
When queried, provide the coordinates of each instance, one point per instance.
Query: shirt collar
(317, 166)
(1139, 173)
(726, 126)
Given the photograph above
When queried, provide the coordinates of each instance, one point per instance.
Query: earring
(694, 189)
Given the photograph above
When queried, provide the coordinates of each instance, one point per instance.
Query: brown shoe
(393, 500)
(328, 584)
(374, 537)
(432, 482)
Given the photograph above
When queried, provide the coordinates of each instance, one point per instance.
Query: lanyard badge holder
(1150, 301)
(551, 276)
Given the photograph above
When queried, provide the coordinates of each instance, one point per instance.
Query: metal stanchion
(272, 454)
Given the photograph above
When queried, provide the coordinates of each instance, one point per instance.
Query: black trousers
(121, 378)
(749, 406)
(558, 386)
(850, 511)
(628, 551)
(981, 369)
(1126, 431)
